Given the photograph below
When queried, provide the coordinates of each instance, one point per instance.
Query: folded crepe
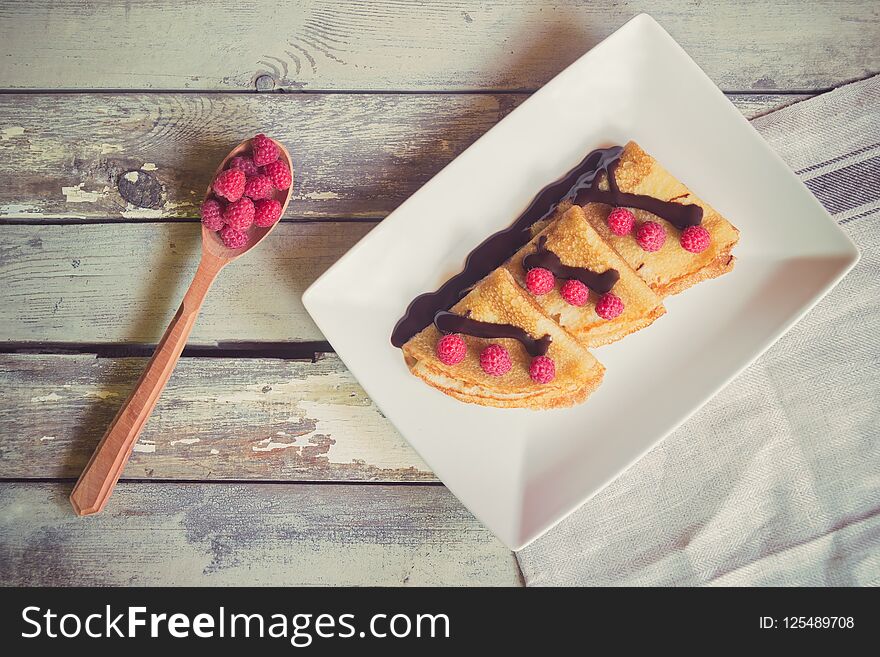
(499, 300)
(671, 269)
(574, 240)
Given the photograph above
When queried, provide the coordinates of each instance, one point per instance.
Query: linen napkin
(776, 481)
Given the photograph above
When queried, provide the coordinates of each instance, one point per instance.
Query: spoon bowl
(211, 242)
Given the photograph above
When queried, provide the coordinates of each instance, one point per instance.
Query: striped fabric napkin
(777, 480)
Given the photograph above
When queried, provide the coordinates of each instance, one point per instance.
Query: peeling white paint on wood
(134, 212)
(107, 149)
(145, 446)
(12, 131)
(36, 213)
(334, 420)
(269, 445)
(77, 194)
(101, 394)
(47, 438)
(185, 441)
(318, 196)
(18, 210)
(149, 166)
(169, 208)
(51, 397)
(131, 176)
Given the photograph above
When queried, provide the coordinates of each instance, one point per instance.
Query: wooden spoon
(99, 478)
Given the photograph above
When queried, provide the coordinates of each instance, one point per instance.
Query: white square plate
(521, 471)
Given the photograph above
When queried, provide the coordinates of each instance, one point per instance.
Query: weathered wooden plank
(219, 418)
(356, 156)
(248, 534)
(392, 45)
(123, 283)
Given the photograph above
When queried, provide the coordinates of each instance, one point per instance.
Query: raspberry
(695, 239)
(651, 236)
(542, 369)
(265, 150)
(266, 212)
(540, 281)
(239, 215)
(279, 174)
(609, 306)
(233, 239)
(451, 349)
(258, 187)
(621, 221)
(575, 292)
(495, 360)
(244, 163)
(212, 214)
(229, 184)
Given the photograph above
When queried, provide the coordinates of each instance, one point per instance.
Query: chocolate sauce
(447, 322)
(679, 215)
(598, 283)
(579, 185)
(497, 248)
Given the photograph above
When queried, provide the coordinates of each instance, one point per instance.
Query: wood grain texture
(218, 419)
(128, 157)
(123, 283)
(248, 534)
(409, 45)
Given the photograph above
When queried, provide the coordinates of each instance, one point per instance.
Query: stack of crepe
(580, 237)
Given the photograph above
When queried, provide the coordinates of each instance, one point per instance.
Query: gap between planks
(67, 221)
(225, 482)
(303, 351)
(731, 93)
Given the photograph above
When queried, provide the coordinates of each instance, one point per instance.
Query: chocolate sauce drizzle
(579, 185)
(678, 214)
(543, 257)
(447, 322)
(497, 248)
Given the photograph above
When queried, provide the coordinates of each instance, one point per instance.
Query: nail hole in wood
(265, 83)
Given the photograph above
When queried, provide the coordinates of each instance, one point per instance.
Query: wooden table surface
(265, 462)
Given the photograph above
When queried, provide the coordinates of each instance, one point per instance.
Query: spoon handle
(99, 478)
